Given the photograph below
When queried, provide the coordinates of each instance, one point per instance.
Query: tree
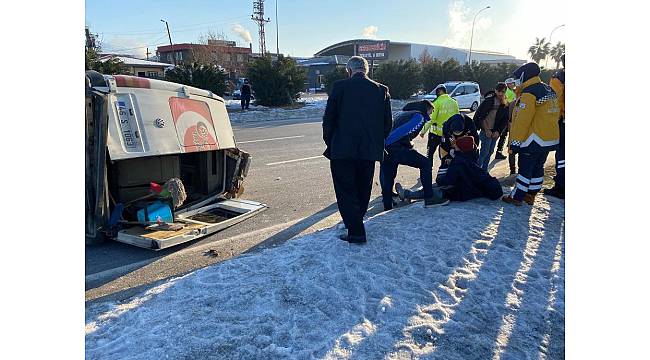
(401, 77)
(276, 83)
(339, 73)
(451, 70)
(539, 50)
(209, 54)
(430, 73)
(111, 66)
(556, 54)
(208, 77)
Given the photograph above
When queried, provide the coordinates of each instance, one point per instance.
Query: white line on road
(271, 139)
(295, 160)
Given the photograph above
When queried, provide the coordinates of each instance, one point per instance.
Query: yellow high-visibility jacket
(557, 84)
(535, 116)
(443, 108)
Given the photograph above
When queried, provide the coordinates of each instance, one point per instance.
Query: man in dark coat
(491, 118)
(246, 95)
(357, 120)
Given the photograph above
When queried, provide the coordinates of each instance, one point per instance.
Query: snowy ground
(474, 280)
(314, 108)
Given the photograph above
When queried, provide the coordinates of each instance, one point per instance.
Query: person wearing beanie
(491, 118)
(557, 84)
(464, 179)
(399, 151)
(457, 126)
(444, 106)
(534, 132)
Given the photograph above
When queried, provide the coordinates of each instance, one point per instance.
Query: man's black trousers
(352, 185)
(432, 144)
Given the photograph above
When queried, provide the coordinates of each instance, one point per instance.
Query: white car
(466, 93)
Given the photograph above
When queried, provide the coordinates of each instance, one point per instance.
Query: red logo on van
(194, 124)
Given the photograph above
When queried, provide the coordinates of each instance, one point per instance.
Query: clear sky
(307, 26)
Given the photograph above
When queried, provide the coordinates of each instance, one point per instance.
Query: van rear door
(196, 222)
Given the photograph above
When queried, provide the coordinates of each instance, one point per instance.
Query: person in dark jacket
(457, 126)
(464, 179)
(491, 118)
(399, 151)
(245, 95)
(357, 120)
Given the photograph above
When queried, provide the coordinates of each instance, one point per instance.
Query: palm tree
(539, 50)
(556, 53)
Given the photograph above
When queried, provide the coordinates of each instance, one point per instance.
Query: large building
(319, 66)
(405, 51)
(222, 52)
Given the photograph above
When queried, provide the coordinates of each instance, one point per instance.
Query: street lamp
(471, 38)
(170, 42)
(550, 41)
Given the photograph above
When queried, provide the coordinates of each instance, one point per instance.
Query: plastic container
(155, 210)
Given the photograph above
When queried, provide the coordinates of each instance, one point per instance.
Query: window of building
(152, 74)
(240, 58)
(179, 55)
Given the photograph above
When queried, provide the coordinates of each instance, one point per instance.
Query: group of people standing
(359, 129)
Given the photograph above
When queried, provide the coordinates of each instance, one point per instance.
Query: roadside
(480, 279)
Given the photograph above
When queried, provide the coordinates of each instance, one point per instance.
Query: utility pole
(277, 30)
(147, 53)
(258, 17)
(550, 41)
(170, 41)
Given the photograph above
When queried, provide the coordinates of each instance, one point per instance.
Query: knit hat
(525, 72)
(456, 123)
(465, 144)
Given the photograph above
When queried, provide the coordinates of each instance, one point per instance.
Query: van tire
(474, 106)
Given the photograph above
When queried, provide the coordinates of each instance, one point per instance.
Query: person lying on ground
(399, 151)
(464, 179)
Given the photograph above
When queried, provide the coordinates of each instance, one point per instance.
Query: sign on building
(375, 50)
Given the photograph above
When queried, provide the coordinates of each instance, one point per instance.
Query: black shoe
(400, 191)
(555, 192)
(353, 239)
(500, 156)
(435, 201)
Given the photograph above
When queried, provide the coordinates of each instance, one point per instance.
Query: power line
(186, 27)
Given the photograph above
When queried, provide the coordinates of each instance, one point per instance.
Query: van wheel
(474, 106)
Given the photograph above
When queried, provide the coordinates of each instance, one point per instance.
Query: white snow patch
(474, 280)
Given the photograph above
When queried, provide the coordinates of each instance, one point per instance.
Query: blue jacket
(468, 180)
(406, 127)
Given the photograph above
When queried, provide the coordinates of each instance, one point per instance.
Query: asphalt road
(288, 173)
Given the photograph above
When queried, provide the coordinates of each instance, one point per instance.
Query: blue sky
(307, 26)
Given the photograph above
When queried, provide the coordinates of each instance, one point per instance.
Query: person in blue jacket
(399, 151)
(464, 179)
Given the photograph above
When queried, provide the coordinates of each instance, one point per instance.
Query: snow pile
(314, 107)
(472, 280)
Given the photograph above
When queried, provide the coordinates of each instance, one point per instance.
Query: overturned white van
(141, 131)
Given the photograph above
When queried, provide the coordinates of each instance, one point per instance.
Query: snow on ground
(314, 108)
(474, 280)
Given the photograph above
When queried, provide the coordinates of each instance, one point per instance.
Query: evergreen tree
(207, 77)
(276, 83)
(402, 77)
(339, 73)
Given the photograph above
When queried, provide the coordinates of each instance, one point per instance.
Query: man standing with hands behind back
(357, 120)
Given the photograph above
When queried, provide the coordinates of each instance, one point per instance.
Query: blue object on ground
(155, 210)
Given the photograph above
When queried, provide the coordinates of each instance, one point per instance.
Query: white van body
(151, 131)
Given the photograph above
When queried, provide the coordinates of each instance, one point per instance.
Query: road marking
(295, 160)
(271, 139)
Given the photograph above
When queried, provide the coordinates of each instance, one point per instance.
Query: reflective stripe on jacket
(443, 108)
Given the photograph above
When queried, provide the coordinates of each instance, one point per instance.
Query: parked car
(466, 93)
(141, 133)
